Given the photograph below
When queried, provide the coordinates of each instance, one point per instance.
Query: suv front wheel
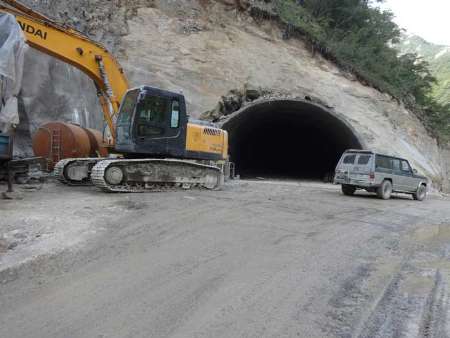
(421, 193)
(384, 191)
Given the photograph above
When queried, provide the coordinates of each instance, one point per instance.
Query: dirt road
(259, 259)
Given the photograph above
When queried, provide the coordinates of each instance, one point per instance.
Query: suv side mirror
(415, 171)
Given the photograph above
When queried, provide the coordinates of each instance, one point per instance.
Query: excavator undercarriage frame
(154, 175)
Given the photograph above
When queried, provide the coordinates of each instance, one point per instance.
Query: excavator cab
(152, 122)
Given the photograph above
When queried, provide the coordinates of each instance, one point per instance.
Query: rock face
(206, 48)
(53, 91)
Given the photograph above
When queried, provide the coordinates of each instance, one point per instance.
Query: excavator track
(123, 175)
(59, 170)
(75, 171)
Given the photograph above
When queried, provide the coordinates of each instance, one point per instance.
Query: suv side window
(349, 159)
(383, 162)
(406, 169)
(396, 165)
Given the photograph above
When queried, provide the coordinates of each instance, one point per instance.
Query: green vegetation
(439, 59)
(359, 37)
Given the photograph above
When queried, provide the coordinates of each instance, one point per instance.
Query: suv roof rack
(359, 151)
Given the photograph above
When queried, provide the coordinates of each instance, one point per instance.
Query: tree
(359, 37)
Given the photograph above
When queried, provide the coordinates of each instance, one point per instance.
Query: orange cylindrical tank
(97, 145)
(58, 140)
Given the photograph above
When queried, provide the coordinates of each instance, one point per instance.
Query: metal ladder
(55, 148)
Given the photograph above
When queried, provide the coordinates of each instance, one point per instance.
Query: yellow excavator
(149, 127)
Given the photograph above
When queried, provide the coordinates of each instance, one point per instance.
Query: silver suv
(382, 174)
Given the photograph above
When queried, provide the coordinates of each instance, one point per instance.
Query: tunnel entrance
(288, 139)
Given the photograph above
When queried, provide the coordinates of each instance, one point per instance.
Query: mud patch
(432, 232)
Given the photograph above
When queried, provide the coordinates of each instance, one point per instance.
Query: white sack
(12, 49)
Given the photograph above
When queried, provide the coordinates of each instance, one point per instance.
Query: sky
(429, 19)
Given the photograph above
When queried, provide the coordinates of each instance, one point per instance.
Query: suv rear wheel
(348, 190)
(421, 193)
(384, 191)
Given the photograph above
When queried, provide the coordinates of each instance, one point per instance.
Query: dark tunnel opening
(288, 139)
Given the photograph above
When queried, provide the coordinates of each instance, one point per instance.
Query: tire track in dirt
(413, 302)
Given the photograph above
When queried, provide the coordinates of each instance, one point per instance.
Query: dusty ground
(257, 259)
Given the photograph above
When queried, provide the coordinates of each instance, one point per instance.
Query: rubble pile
(237, 99)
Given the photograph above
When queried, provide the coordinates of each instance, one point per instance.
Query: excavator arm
(73, 47)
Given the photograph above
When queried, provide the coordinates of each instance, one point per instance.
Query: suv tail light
(372, 176)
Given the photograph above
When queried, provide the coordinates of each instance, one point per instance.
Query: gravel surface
(258, 259)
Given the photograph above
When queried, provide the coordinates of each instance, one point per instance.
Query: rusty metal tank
(98, 148)
(58, 140)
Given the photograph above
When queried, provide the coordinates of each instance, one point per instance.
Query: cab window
(151, 113)
(152, 109)
(127, 107)
(125, 115)
(175, 116)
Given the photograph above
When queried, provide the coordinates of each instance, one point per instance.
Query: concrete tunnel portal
(288, 139)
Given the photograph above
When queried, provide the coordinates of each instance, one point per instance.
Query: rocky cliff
(206, 48)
